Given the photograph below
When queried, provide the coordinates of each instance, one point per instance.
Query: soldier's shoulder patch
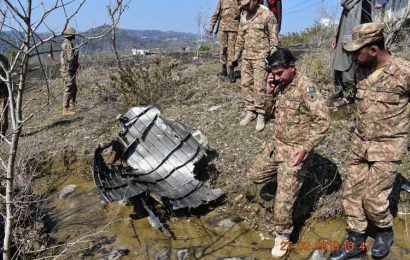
(311, 89)
(311, 93)
(311, 97)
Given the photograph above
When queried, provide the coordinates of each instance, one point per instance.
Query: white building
(139, 52)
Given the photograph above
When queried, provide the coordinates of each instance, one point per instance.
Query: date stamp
(322, 245)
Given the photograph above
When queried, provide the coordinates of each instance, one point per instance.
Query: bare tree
(394, 27)
(202, 19)
(25, 19)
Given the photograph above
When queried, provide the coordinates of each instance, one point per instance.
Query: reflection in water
(96, 229)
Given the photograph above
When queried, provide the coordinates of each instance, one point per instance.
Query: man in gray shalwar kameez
(354, 12)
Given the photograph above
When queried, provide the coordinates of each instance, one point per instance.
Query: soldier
(4, 96)
(68, 69)
(354, 12)
(228, 13)
(301, 121)
(257, 38)
(276, 7)
(379, 142)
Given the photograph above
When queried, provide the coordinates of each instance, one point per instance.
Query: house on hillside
(394, 9)
(139, 52)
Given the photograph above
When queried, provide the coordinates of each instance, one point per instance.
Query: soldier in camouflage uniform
(301, 121)
(4, 96)
(379, 142)
(227, 13)
(68, 69)
(257, 38)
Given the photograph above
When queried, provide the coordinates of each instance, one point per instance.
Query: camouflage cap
(245, 2)
(364, 34)
(68, 32)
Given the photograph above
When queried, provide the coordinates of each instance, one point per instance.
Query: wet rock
(214, 108)
(254, 246)
(165, 254)
(224, 220)
(66, 190)
(118, 253)
(236, 258)
(183, 254)
(226, 223)
(318, 255)
(264, 236)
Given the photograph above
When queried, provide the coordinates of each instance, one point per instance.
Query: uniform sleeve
(319, 113)
(215, 17)
(240, 42)
(68, 51)
(273, 33)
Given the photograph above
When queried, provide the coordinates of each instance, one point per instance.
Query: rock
(66, 190)
(264, 237)
(118, 253)
(236, 258)
(318, 255)
(226, 223)
(183, 254)
(164, 255)
(214, 108)
(238, 198)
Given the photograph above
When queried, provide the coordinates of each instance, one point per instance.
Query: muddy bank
(82, 226)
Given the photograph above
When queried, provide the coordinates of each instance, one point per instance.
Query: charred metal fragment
(162, 157)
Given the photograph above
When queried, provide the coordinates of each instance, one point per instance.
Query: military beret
(364, 34)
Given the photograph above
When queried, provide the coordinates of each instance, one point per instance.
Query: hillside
(126, 40)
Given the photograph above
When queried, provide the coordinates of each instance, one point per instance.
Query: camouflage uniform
(4, 97)
(301, 121)
(378, 145)
(257, 38)
(228, 13)
(68, 69)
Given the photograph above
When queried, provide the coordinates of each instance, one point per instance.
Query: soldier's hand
(300, 155)
(333, 44)
(210, 32)
(270, 84)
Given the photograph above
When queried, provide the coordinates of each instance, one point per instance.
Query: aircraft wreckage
(163, 158)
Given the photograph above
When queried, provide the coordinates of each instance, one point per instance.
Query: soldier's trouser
(70, 91)
(344, 83)
(253, 81)
(365, 192)
(227, 49)
(265, 167)
(290, 180)
(4, 115)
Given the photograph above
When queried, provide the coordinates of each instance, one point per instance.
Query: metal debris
(162, 158)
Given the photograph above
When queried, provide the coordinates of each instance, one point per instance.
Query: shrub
(148, 84)
(204, 47)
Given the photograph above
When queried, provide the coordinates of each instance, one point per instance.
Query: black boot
(231, 74)
(382, 242)
(352, 248)
(223, 72)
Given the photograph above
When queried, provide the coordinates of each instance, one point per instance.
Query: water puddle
(93, 229)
